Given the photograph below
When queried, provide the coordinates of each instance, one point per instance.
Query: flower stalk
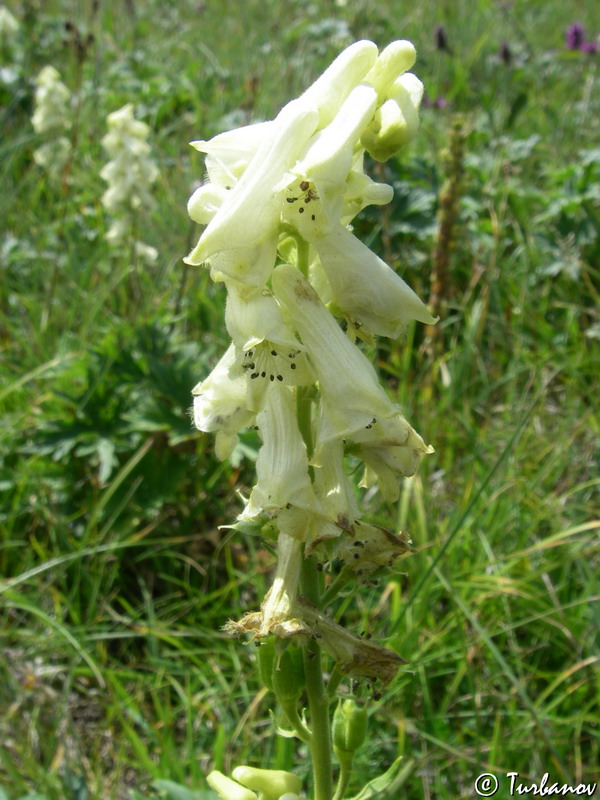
(277, 207)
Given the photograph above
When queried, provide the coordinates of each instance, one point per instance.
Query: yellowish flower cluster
(50, 118)
(130, 174)
(277, 209)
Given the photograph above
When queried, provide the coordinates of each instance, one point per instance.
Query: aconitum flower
(277, 207)
(130, 175)
(271, 784)
(50, 118)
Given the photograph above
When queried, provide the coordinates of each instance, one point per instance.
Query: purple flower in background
(575, 36)
(590, 47)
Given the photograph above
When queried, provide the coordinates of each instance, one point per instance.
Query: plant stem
(310, 586)
(344, 776)
(318, 701)
(291, 712)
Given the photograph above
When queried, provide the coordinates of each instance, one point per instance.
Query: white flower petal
(220, 403)
(8, 25)
(271, 783)
(252, 315)
(362, 191)
(333, 486)
(389, 448)
(393, 60)
(328, 158)
(267, 349)
(282, 463)
(228, 789)
(250, 217)
(314, 201)
(205, 202)
(330, 90)
(407, 85)
(230, 152)
(366, 288)
(396, 122)
(351, 393)
(51, 98)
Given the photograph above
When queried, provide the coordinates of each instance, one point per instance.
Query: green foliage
(115, 681)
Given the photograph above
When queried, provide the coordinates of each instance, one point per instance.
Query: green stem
(310, 586)
(318, 701)
(291, 712)
(344, 776)
(303, 251)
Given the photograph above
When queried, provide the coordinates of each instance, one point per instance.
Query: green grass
(116, 580)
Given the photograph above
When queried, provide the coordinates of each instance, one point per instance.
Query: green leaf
(387, 786)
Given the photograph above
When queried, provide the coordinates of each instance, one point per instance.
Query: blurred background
(115, 680)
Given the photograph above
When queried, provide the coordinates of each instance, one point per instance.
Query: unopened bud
(349, 726)
(266, 661)
(288, 674)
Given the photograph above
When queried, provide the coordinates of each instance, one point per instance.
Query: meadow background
(115, 680)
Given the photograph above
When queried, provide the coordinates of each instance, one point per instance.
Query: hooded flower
(240, 241)
(369, 292)
(220, 403)
(266, 348)
(282, 463)
(389, 448)
(351, 393)
(396, 121)
(256, 164)
(272, 784)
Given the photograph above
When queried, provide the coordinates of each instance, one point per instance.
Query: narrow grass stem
(336, 585)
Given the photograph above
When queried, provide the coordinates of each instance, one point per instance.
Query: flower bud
(349, 726)
(288, 675)
(266, 662)
(271, 782)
